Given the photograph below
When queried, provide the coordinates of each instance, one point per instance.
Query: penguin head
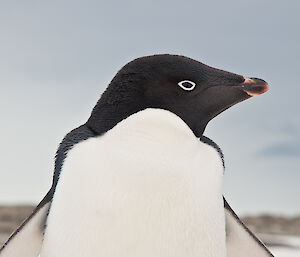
(190, 89)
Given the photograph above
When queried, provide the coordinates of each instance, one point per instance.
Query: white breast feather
(146, 188)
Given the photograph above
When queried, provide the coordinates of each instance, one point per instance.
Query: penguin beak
(228, 90)
(254, 86)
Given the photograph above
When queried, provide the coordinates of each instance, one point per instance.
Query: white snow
(290, 245)
(285, 252)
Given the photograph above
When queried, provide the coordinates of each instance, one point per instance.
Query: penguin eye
(187, 85)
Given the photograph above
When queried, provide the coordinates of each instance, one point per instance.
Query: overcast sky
(56, 57)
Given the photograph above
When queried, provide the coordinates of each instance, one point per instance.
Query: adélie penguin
(139, 178)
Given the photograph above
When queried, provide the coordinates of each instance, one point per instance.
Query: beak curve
(254, 86)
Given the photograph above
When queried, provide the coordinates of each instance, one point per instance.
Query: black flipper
(240, 241)
(26, 241)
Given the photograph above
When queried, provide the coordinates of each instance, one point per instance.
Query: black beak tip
(259, 81)
(254, 86)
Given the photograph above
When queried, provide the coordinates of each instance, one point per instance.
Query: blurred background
(57, 57)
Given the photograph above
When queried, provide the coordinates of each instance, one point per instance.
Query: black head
(192, 90)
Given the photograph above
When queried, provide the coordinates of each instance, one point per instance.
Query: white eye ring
(193, 85)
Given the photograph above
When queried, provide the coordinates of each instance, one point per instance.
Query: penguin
(139, 178)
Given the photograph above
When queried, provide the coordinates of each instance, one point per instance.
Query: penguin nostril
(259, 81)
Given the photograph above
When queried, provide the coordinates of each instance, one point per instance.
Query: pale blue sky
(56, 57)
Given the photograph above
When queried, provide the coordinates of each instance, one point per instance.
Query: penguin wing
(240, 241)
(26, 241)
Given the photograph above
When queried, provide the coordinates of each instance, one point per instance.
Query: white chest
(146, 188)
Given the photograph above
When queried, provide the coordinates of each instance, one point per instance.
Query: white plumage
(148, 187)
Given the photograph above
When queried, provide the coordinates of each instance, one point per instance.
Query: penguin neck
(157, 125)
(116, 104)
(107, 115)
